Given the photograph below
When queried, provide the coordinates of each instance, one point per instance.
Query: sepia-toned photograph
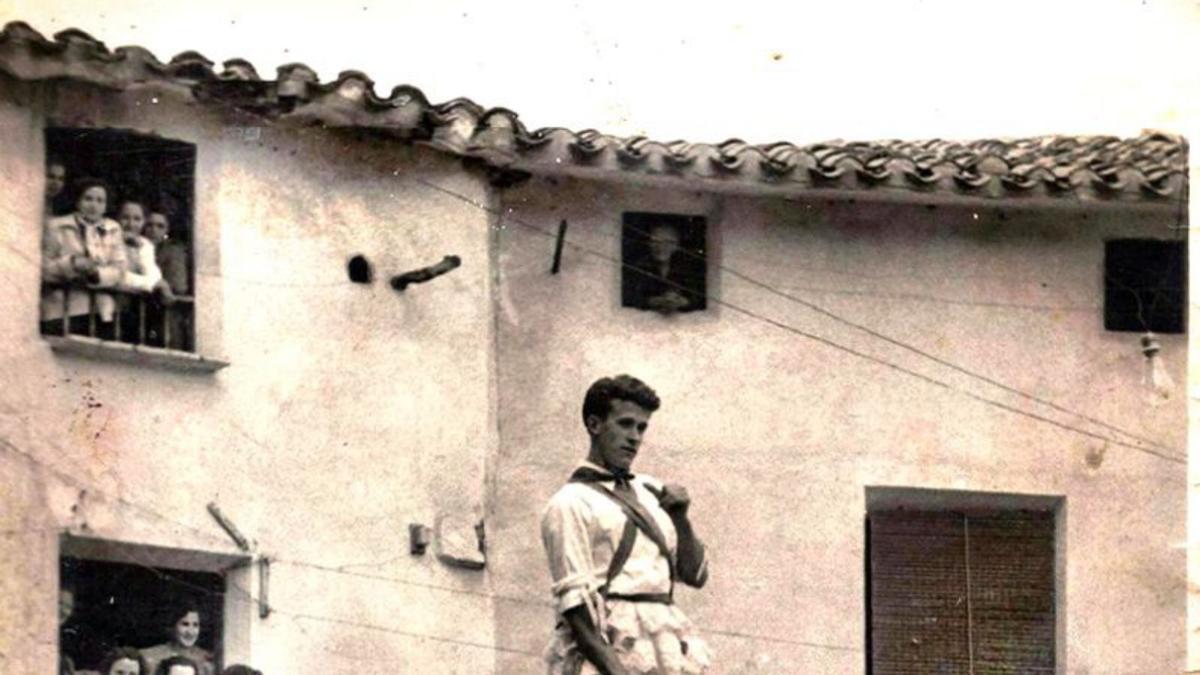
(597, 339)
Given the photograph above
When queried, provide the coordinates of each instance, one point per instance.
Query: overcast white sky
(848, 69)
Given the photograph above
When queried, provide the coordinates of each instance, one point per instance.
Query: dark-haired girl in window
(83, 251)
(184, 632)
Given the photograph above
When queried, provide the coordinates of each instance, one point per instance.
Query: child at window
(142, 276)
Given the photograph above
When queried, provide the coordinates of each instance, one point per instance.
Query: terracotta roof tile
(1151, 167)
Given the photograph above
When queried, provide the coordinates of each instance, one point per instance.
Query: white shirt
(581, 530)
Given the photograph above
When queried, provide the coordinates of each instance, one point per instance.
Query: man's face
(56, 179)
(664, 241)
(617, 438)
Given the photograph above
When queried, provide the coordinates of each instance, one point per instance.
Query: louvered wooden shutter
(924, 621)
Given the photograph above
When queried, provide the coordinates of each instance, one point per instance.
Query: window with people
(121, 619)
(116, 239)
(664, 262)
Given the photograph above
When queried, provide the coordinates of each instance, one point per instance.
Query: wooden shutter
(923, 618)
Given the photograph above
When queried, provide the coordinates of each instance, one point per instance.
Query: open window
(1145, 285)
(117, 240)
(665, 264)
(115, 595)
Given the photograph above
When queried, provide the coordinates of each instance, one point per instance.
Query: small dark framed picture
(665, 264)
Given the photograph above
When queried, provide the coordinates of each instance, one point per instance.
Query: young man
(616, 544)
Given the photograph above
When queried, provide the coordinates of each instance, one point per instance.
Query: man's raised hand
(672, 498)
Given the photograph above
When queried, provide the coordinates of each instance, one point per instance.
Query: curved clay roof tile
(294, 80)
(633, 151)
(354, 86)
(1021, 177)
(587, 145)
(829, 163)
(922, 172)
(876, 168)
(76, 36)
(191, 65)
(680, 155)
(969, 177)
(1157, 181)
(19, 31)
(1059, 178)
(139, 64)
(239, 69)
(730, 155)
(405, 95)
(495, 137)
(1107, 178)
(454, 124)
(529, 140)
(780, 159)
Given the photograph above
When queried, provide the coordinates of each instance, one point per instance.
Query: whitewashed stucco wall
(777, 436)
(350, 411)
(347, 412)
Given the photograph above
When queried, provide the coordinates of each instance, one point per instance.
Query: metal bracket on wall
(558, 246)
(418, 538)
(264, 593)
(401, 281)
(227, 525)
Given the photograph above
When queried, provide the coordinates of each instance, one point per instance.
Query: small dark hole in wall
(359, 270)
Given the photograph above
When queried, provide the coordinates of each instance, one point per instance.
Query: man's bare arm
(590, 644)
(689, 551)
(690, 554)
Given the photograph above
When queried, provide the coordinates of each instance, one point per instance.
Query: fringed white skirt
(650, 638)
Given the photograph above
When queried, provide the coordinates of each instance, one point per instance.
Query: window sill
(153, 357)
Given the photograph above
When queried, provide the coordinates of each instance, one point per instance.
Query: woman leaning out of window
(83, 251)
(184, 631)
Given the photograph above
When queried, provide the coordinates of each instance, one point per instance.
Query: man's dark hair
(604, 391)
(164, 667)
(239, 669)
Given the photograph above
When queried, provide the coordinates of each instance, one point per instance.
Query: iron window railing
(139, 318)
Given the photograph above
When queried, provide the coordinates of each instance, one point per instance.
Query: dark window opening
(1145, 285)
(665, 262)
(954, 592)
(104, 606)
(118, 235)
